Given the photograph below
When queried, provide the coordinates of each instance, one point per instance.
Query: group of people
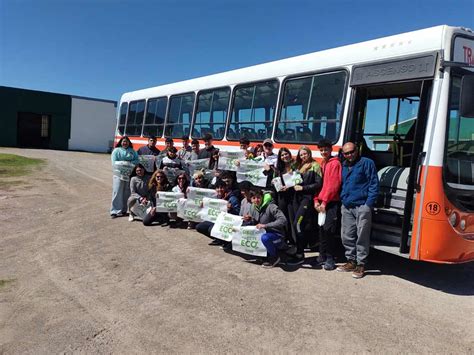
(335, 196)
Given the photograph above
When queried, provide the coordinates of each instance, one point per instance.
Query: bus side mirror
(466, 103)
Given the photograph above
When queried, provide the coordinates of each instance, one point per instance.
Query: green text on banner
(226, 226)
(248, 240)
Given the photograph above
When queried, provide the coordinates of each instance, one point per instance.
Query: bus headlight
(462, 224)
(453, 219)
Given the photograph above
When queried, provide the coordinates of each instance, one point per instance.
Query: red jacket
(332, 178)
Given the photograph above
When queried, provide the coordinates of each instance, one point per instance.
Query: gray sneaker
(271, 262)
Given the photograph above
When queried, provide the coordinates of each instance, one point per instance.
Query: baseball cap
(267, 141)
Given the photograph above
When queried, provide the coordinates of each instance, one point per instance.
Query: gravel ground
(78, 281)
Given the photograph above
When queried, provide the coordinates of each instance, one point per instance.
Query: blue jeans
(120, 195)
(272, 242)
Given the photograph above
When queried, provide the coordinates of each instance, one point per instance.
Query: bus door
(389, 113)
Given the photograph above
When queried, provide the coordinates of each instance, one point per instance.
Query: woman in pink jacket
(328, 201)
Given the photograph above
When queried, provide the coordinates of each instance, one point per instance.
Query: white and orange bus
(407, 100)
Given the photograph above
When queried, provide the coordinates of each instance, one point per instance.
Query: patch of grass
(5, 282)
(12, 165)
(4, 183)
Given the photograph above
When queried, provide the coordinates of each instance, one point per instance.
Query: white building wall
(92, 124)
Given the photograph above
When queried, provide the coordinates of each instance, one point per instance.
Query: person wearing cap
(150, 148)
(268, 154)
(185, 152)
(270, 160)
(208, 147)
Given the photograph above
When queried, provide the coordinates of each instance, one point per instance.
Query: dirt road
(78, 281)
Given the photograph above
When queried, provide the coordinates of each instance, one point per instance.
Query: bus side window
(136, 113)
(155, 117)
(253, 110)
(178, 122)
(122, 118)
(309, 105)
(211, 113)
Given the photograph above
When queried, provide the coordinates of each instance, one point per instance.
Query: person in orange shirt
(328, 201)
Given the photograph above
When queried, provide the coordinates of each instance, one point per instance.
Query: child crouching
(266, 215)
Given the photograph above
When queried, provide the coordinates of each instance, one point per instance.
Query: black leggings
(285, 204)
(303, 221)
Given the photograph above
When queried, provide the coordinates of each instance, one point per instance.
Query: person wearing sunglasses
(158, 182)
(360, 187)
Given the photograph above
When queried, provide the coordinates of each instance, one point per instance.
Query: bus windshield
(460, 144)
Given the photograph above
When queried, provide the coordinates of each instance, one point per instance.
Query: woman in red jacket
(328, 201)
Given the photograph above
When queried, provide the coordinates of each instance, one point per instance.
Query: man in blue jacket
(360, 187)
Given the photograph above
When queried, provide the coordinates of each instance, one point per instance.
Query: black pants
(305, 216)
(328, 231)
(205, 228)
(285, 204)
(157, 217)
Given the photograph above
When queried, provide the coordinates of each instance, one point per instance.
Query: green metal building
(36, 119)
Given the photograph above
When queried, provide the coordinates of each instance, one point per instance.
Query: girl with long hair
(284, 197)
(181, 185)
(304, 213)
(158, 182)
(140, 192)
(120, 186)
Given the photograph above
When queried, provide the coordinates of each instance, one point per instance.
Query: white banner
(227, 164)
(148, 161)
(140, 210)
(188, 210)
(226, 226)
(249, 165)
(198, 164)
(256, 177)
(290, 179)
(227, 160)
(211, 209)
(196, 194)
(123, 169)
(167, 201)
(248, 240)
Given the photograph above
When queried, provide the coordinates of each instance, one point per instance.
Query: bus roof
(401, 45)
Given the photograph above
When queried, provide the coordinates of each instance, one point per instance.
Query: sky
(103, 48)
